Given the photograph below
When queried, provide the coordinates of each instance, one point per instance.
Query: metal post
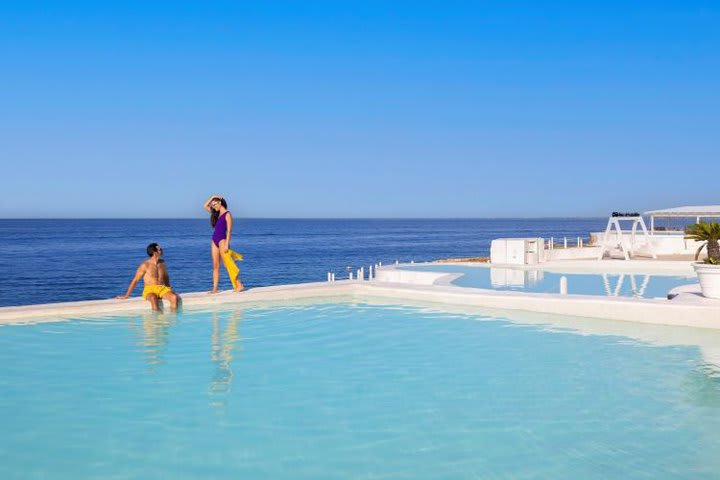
(563, 285)
(332, 277)
(329, 277)
(564, 242)
(350, 277)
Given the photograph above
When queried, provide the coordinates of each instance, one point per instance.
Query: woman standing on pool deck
(221, 219)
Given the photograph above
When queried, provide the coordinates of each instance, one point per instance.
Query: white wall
(572, 253)
(664, 244)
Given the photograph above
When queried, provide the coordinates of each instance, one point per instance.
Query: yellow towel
(228, 259)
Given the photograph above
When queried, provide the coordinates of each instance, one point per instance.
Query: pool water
(539, 281)
(348, 391)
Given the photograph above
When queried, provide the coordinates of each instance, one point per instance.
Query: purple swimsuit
(220, 232)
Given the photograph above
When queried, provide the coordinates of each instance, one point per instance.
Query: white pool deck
(392, 285)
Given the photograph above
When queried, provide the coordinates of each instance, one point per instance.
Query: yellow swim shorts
(158, 290)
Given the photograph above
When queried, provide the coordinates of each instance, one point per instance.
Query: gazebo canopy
(693, 211)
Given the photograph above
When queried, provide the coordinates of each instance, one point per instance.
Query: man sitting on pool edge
(155, 279)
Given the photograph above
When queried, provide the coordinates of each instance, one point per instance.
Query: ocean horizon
(57, 260)
(312, 218)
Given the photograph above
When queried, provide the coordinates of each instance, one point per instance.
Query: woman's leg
(215, 253)
(240, 287)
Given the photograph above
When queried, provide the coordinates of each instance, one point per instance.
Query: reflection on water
(704, 386)
(224, 338)
(634, 285)
(711, 356)
(513, 277)
(637, 288)
(153, 332)
(613, 284)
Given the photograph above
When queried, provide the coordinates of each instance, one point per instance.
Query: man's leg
(173, 298)
(154, 300)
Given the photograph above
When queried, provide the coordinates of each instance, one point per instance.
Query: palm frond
(703, 231)
(709, 234)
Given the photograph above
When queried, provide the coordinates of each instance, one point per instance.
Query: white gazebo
(668, 240)
(698, 212)
(627, 248)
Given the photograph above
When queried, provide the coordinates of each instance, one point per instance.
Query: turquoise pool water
(348, 391)
(622, 285)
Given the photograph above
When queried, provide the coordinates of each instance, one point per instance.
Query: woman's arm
(206, 205)
(229, 220)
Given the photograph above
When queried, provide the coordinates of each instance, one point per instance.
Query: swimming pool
(539, 281)
(348, 390)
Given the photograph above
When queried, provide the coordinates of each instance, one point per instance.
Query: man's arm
(138, 275)
(166, 277)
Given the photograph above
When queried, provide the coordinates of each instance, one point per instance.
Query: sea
(60, 260)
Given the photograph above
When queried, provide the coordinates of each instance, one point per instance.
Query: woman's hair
(214, 214)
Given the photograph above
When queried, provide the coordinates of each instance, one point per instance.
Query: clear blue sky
(358, 109)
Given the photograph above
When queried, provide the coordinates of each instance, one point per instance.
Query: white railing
(577, 242)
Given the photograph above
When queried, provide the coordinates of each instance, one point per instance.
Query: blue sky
(358, 109)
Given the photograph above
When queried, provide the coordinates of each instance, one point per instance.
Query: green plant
(709, 234)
